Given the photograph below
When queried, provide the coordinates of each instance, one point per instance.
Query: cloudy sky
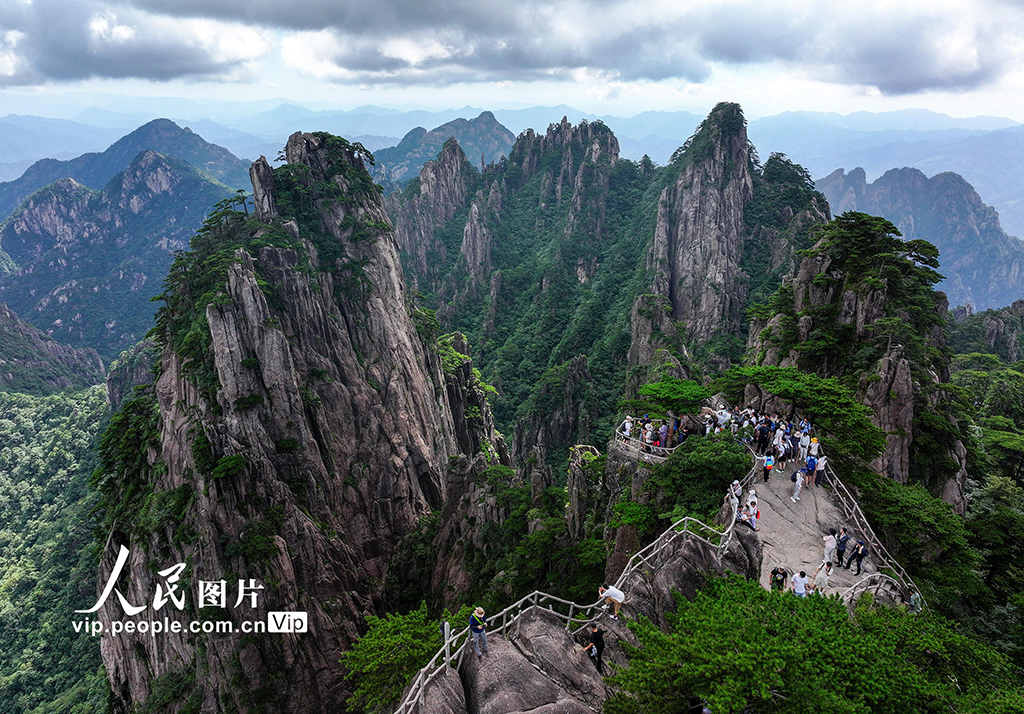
(962, 57)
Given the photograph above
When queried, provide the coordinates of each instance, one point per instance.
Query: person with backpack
(478, 630)
(777, 578)
(808, 469)
(769, 464)
(595, 648)
(797, 483)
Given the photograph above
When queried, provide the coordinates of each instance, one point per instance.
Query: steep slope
(95, 170)
(300, 426)
(422, 209)
(32, 363)
(537, 264)
(482, 139)
(46, 552)
(982, 265)
(89, 262)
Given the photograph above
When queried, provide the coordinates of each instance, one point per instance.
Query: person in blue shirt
(477, 628)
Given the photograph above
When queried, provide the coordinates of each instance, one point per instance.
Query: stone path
(791, 533)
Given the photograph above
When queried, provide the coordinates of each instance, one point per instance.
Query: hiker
(777, 578)
(769, 464)
(858, 553)
(805, 443)
(737, 489)
(813, 449)
(596, 647)
(830, 545)
(821, 578)
(800, 584)
(627, 428)
(797, 483)
(753, 514)
(742, 516)
(915, 601)
(819, 470)
(612, 596)
(844, 538)
(663, 433)
(477, 628)
(808, 469)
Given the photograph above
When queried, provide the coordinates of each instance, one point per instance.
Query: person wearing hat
(477, 628)
(813, 449)
(737, 489)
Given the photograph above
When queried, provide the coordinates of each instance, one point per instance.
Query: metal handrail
(876, 582)
(576, 613)
(852, 510)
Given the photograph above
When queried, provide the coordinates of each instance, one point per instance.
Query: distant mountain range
(982, 264)
(482, 139)
(94, 170)
(88, 262)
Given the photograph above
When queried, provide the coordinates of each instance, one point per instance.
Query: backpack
(793, 477)
(769, 462)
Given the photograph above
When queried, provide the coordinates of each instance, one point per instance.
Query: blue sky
(615, 56)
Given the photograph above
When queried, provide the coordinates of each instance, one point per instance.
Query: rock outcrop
(484, 139)
(331, 426)
(998, 332)
(982, 265)
(698, 239)
(444, 188)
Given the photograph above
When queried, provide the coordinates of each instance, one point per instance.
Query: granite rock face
(888, 388)
(698, 239)
(344, 419)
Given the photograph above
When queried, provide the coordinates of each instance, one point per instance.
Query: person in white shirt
(830, 546)
(799, 583)
(612, 596)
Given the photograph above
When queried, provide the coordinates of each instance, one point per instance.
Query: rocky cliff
(982, 265)
(726, 232)
(88, 262)
(999, 332)
(530, 262)
(443, 189)
(33, 363)
(303, 424)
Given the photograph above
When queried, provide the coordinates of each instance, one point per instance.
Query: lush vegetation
(395, 647)
(739, 647)
(47, 566)
(693, 480)
(845, 423)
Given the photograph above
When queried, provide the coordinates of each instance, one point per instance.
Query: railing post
(447, 644)
(568, 623)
